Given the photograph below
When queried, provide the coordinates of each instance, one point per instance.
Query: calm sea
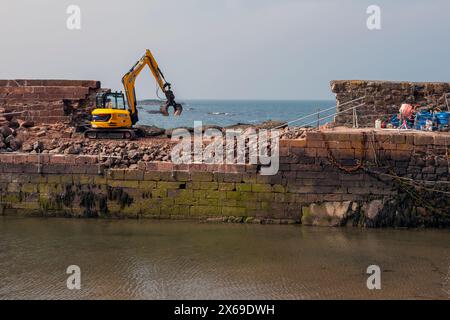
(229, 112)
(130, 259)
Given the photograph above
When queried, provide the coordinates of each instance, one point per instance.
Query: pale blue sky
(228, 49)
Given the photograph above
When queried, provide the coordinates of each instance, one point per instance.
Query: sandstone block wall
(384, 98)
(48, 101)
(359, 178)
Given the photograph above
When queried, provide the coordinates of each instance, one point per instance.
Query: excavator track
(128, 134)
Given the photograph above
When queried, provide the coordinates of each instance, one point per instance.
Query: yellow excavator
(113, 118)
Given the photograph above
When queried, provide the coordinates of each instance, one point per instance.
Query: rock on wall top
(48, 101)
(384, 98)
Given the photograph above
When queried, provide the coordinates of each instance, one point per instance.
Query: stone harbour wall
(332, 178)
(48, 101)
(384, 98)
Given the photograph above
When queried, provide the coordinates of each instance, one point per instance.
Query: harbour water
(125, 259)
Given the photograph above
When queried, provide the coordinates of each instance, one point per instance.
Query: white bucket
(378, 124)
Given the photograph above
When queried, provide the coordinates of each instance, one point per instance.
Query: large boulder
(149, 131)
(330, 214)
(6, 131)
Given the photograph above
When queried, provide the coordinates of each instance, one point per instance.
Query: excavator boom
(111, 118)
(129, 80)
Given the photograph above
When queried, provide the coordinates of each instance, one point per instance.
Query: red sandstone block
(442, 140)
(133, 174)
(311, 152)
(298, 143)
(284, 151)
(46, 96)
(64, 83)
(298, 152)
(409, 139)
(398, 138)
(94, 169)
(308, 175)
(38, 89)
(32, 96)
(151, 166)
(321, 153)
(359, 190)
(296, 188)
(165, 166)
(359, 153)
(288, 159)
(182, 176)
(181, 167)
(404, 146)
(80, 93)
(337, 136)
(18, 96)
(306, 167)
(351, 183)
(228, 177)
(312, 198)
(86, 159)
(352, 197)
(351, 176)
(52, 119)
(344, 153)
(389, 146)
(314, 136)
(358, 144)
(197, 167)
(339, 145)
(232, 168)
(54, 112)
(44, 158)
(400, 155)
(423, 140)
(30, 168)
(201, 176)
(356, 137)
(332, 197)
(62, 159)
(315, 144)
(33, 158)
(248, 178)
(274, 179)
(20, 158)
(289, 175)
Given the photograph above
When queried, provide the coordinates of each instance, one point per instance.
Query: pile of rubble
(155, 144)
(114, 153)
(10, 131)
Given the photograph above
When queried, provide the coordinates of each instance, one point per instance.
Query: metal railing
(446, 96)
(324, 110)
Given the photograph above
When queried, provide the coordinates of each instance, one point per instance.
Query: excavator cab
(111, 111)
(111, 118)
(111, 100)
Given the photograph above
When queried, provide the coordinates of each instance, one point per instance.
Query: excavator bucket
(164, 109)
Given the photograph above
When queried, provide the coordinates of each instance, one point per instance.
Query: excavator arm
(129, 79)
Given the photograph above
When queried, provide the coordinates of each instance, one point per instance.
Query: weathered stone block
(258, 187)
